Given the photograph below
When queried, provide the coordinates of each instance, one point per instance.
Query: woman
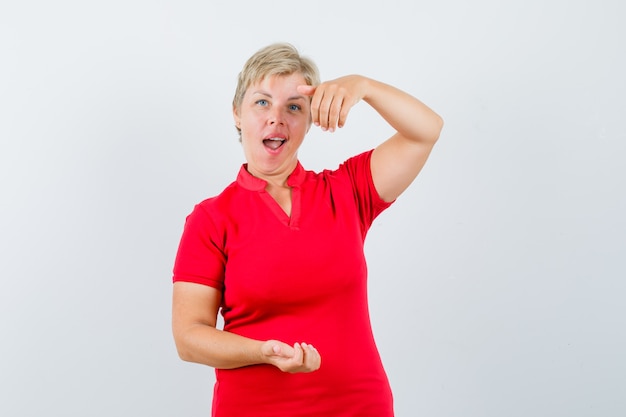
(280, 250)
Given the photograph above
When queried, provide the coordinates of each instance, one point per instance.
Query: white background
(497, 281)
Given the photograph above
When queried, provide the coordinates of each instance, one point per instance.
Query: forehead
(276, 84)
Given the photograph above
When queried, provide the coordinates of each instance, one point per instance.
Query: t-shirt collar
(252, 183)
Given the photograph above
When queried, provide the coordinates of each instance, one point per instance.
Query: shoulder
(347, 168)
(220, 201)
(214, 210)
(359, 162)
(355, 170)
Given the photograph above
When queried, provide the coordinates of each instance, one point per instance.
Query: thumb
(307, 90)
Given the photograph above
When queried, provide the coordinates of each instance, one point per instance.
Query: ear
(236, 117)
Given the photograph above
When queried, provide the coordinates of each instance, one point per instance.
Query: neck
(276, 179)
(273, 180)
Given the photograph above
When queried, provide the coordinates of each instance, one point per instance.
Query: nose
(276, 117)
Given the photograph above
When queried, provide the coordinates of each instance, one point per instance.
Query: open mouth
(274, 143)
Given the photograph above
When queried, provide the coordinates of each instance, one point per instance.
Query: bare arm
(397, 161)
(194, 318)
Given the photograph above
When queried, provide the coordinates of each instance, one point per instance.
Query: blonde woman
(280, 251)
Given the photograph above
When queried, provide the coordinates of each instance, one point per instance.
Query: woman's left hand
(332, 100)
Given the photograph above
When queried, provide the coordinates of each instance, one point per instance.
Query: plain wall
(497, 281)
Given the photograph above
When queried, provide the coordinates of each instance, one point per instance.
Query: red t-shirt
(301, 278)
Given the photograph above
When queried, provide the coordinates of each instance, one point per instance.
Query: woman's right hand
(299, 358)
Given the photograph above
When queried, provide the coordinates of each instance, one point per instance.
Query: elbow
(183, 353)
(186, 357)
(436, 127)
(182, 348)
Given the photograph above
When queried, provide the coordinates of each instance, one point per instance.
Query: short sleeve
(200, 258)
(370, 204)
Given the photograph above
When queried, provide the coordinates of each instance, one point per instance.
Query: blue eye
(294, 107)
(262, 102)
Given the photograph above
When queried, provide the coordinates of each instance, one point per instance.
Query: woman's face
(273, 118)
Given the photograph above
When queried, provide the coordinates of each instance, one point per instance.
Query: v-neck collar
(295, 180)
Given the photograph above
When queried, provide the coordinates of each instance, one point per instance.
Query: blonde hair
(274, 59)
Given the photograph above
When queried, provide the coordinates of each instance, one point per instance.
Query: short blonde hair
(274, 59)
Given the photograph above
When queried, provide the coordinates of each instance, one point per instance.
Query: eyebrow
(263, 93)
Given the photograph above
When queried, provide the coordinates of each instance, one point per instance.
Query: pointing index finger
(307, 90)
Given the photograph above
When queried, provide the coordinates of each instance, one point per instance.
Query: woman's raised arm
(397, 161)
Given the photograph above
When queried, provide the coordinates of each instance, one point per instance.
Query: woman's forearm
(207, 345)
(220, 349)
